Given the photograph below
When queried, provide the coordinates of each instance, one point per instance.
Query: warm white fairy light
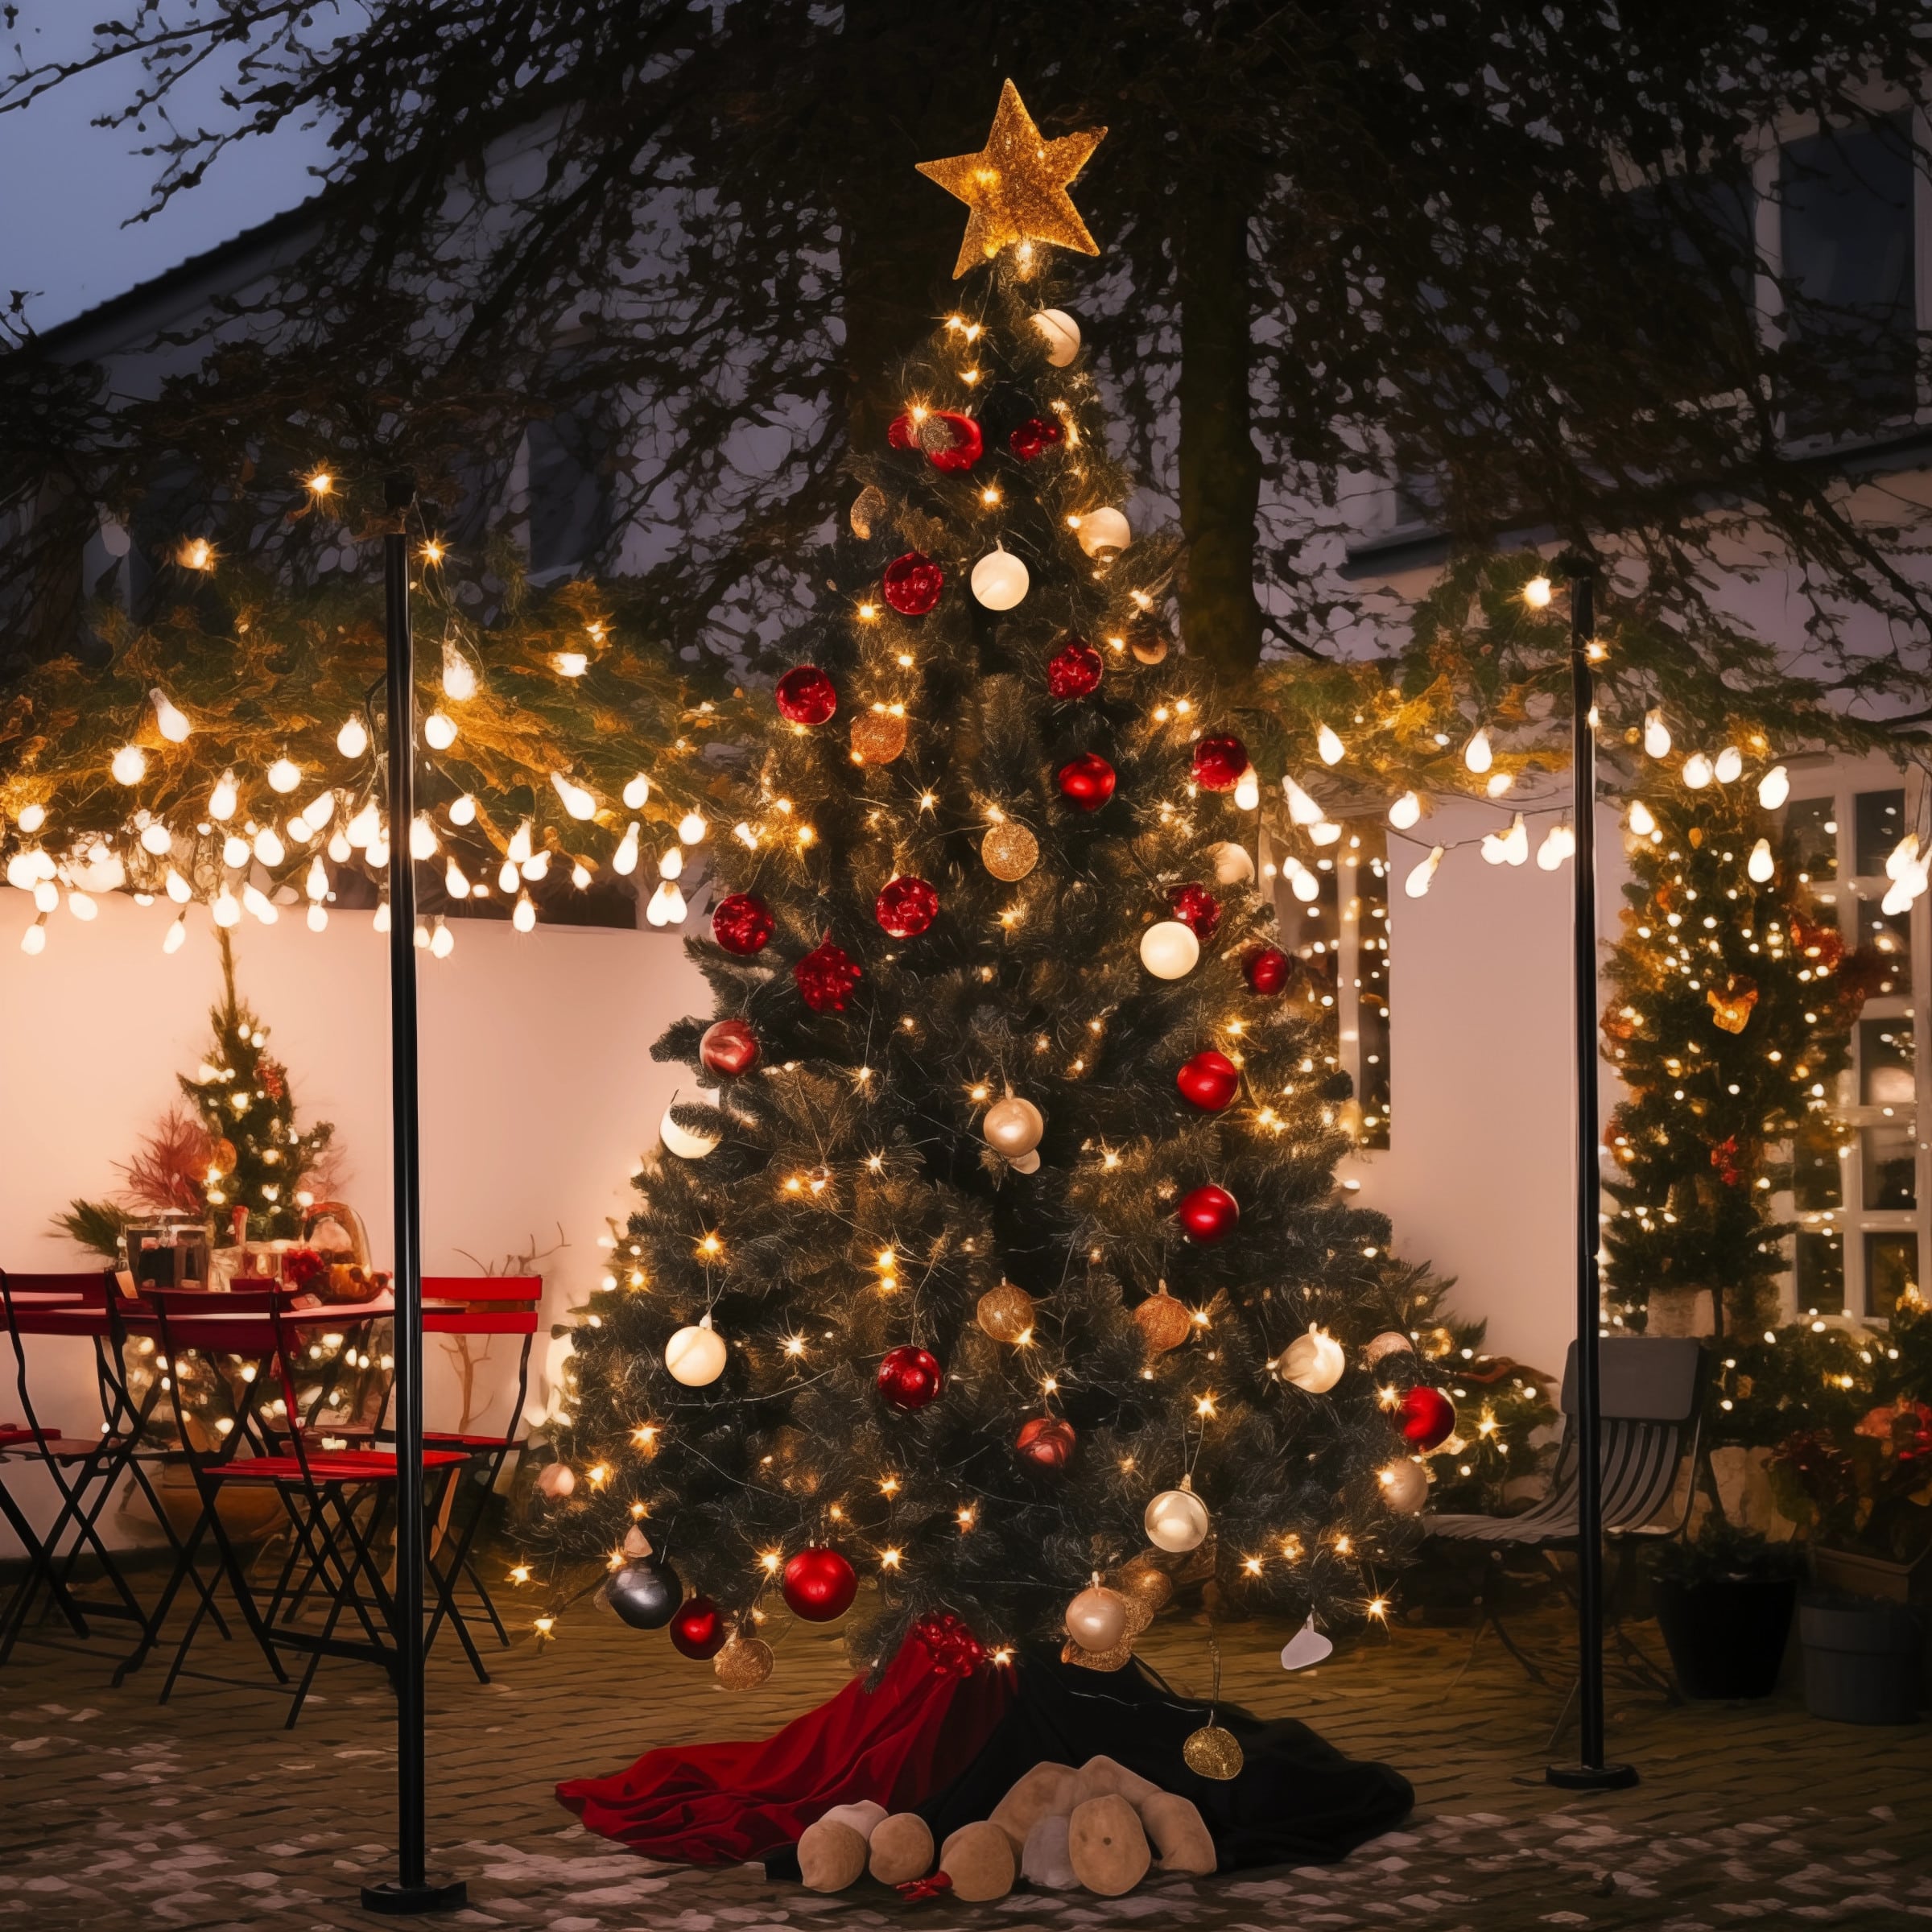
(456, 882)
(1760, 865)
(1405, 811)
(1536, 593)
(1773, 788)
(691, 828)
(235, 851)
(423, 843)
(665, 906)
(1419, 880)
(519, 848)
(47, 895)
(524, 919)
(156, 839)
(223, 799)
(571, 663)
(227, 908)
(1328, 746)
(1656, 735)
(284, 775)
(577, 802)
(169, 719)
(444, 943)
(1302, 808)
(580, 876)
(128, 765)
(176, 936)
(1641, 821)
(1730, 765)
(459, 674)
(34, 940)
(1559, 842)
(1301, 882)
(1248, 790)
(178, 888)
(258, 902)
(624, 860)
(352, 741)
(268, 846)
(1698, 771)
(439, 731)
(636, 793)
(82, 906)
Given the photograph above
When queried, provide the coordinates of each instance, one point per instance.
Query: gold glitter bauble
(877, 738)
(1140, 1614)
(1006, 1312)
(1163, 1322)
(1016, 186)
(1116, 1659)
(868, 507)
(1009, 850)
(1212, 1752)
(1148, 646)
(1147, 1583)
(743, 1664)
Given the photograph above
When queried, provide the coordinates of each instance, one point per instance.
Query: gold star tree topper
(1016, 185)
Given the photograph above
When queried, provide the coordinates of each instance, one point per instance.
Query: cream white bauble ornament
(1176, 1520)
(1013, 1127)
(1000, 580)
(1063, 335)
(696, 1355)
(1233, 864)
(1102, 532)
(1404, 1487)
(1390, 1341)
(1096, 1619)
(1169, 950)
(1308, 1646)
(686, 1143)
(556, 1481)
(1314, 1361)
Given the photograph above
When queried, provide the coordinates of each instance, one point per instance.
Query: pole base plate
(1591, 1777)
(397, 1901)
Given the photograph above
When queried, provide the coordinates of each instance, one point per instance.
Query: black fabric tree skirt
(1296, 1801)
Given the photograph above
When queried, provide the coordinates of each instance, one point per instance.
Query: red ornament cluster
(1219, 762)
(741, 924)
(1197, 909)
(1266, 969)
(805, 696)
(1208, 1213)
(1209, 1081)
(1087, 782)
(1426, 1416)
(905, 907)
(912, 584)
(910, 1377)
(729, 1047)
(825, 977)
(962, 450)
(1034, 438)
(819, 1585)
(698, 1628)
(1047, 1442)
(1073, 670)
(954, 1651)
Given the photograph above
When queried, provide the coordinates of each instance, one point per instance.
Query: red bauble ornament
(1073, 670)
(1219, 762)
(957, 437)
(1266, 969)
(698, 1628)
(910, 1377)
(1197, 909)
(805, 696)
(1426, 1416)
(912, 584)
(1034, 438)
(729, 1047)
(954, 1651)
(1209, 1081)
(905, 907)
(825, 975)
(1087, 782)
(899, 432)
(819, 1585)
(741, 924)
(1047, 1442)
(1208, 1213)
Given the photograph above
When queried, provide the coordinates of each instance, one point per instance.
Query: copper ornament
(1212, 1752)
(877, 738)
(867, 508)
(1009, 851)
(1163, 1322)
(1005, 1313)
(1731, 1009)
(743, 1664)
(1116, 1659)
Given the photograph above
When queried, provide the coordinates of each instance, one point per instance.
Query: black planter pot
(1726, 1637)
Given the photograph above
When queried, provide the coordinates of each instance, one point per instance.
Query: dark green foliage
(852, 1205)
(1719, 1553)
(1695, 1141)
(94, 1225)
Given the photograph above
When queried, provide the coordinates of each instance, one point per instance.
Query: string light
(1328, 746)
(128, 765)
(1477, 755)
(223, 799)
(1417, 883)
(1536, 593)
(439, 731)
(1656, 735)
(1405, 811)
(171, 722)
(1773, 788)
(1730, 765)
(577, 802)
(352, 741)
(1698, 771)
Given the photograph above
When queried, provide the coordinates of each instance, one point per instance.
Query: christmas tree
(1729, 1020)
(1004, 1255)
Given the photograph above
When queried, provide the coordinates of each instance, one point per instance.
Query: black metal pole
(411, 1890)
(1589, 1772)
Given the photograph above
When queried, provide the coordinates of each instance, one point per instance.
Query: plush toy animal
(1100, 1829)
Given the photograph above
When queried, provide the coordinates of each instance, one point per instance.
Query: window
(1846, 219)
(1858, 1193)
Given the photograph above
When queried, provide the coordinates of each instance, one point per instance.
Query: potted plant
(1723, 1601)
(1865, 1495)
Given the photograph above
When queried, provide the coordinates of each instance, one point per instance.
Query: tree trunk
(1220, 468)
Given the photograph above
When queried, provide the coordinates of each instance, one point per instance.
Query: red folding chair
(84, 1470)
(324, 1493)
(480, 1305)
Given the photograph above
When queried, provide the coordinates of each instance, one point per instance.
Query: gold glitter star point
(1016, 186)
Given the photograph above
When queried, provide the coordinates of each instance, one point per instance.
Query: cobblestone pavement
(118, 1813)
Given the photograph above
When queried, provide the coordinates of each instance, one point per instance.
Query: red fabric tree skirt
(721, 1804)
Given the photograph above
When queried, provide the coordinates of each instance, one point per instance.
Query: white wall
(1478, 1175)
(539, 1091)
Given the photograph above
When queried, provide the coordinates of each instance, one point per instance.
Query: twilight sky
(66, 187)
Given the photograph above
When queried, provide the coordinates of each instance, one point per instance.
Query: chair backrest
(510, 1304)
(1641, 1378)
(88, 1286)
